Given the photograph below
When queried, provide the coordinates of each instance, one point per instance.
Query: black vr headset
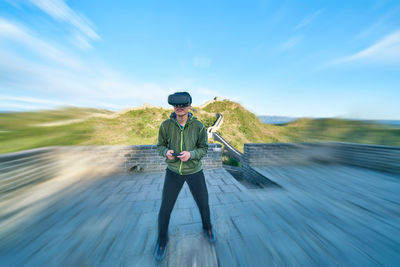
(180, 99)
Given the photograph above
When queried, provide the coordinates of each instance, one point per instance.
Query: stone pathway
(324, 215)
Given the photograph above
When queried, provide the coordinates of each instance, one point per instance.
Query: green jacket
(192, 138)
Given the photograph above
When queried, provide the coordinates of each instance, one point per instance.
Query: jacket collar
(190, 117)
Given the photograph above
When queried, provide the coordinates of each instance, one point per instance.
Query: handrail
(232, 151)
(217, 124)
(212, 133)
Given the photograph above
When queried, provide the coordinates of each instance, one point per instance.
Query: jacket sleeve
(162, 141)
(202, 145)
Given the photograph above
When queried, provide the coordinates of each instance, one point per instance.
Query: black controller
(176, 154)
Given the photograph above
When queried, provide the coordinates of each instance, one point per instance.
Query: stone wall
(384, 158)
(20, 169)
(26, 168)
(378, 157)
(146, 157)
(124, 158)
(261, 154)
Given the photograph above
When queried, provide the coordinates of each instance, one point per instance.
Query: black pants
(172, 186)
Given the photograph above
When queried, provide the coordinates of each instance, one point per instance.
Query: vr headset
(180, 99)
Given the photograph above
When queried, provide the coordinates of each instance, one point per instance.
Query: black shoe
(159, 251)
(209, 233)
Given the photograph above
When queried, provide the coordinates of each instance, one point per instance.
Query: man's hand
(169, 154)
(185, 156)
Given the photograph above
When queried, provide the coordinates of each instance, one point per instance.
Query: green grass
(350, 131)
(20, 131)
(32, 137)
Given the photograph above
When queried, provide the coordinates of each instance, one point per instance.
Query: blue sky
(290, 58)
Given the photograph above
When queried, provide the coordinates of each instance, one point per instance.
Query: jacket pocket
(167, 160)
(192, 164)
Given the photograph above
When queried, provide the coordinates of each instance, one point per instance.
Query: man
(182, 139)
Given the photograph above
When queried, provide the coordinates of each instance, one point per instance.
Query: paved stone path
(323, 215)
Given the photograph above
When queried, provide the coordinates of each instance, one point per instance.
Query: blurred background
(316, 82)
(68, 68)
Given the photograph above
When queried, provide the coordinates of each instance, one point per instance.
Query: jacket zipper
(180, 166)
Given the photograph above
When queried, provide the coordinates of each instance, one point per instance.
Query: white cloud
(10, 106)
(94, 87)
(60, 11)
(292, 42)
(386, 50)
(11, 103)
(59, 75)
(307, 20)
(80, 89)
(32, 100)
(15, 33)
(201, 62)
(36, 73)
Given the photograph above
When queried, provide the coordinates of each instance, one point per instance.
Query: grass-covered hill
(82, 126)
(346, 131)
(136, 126)
(241, 126)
